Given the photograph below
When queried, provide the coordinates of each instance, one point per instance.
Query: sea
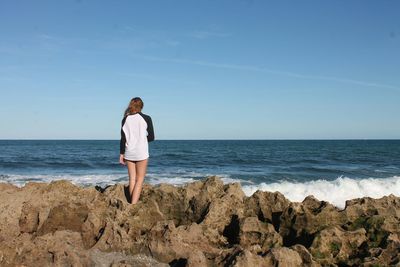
(330, 170)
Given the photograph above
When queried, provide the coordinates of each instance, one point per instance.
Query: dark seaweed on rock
(204, 223)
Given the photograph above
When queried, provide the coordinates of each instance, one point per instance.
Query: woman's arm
(123, 138)
(150, 129)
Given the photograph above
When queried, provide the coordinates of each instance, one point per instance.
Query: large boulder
(259, 235)
(387, 206)
(300, 222)
(171, 244)
(267, 206)
(282, 256)
(335, 245)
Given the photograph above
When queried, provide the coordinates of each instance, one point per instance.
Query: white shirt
(136, 136)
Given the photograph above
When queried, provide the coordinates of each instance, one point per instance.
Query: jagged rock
(246, 258)
(305, 255)
(337, 245)
(254, 232)
(284, 257)
(223, 211)
(168, 243)
(366, 206)
(116, 196)
(169, 201)
(7, 188)
(200, 201)
(267, 206)
(29, 219)
(388, 256)
(61, 248)
(301, 221)
(65, 216)
(119, 259)
(92, 229)
(204, 223)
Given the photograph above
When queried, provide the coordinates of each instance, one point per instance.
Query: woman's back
(138, 131)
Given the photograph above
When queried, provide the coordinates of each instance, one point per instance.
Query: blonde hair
(135, 106)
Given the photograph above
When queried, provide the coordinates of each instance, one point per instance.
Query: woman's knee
(132, 180)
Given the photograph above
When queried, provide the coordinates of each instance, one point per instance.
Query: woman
(136, 132)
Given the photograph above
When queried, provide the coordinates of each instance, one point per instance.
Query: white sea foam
(179, 178)
(190, 177)
(175, 180)
(335, 192)
(87, 179)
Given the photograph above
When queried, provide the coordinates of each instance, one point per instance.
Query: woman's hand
(121, 159)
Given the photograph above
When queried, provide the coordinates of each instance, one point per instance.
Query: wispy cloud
(154, 77)
(152, 36)
(128, 41)
(208, 34)
(269, 71)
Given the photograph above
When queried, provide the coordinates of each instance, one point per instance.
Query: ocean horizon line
(211, 139)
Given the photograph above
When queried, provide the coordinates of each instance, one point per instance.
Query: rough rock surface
(204, 223)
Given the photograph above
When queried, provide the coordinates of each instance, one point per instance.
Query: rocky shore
(204, 223)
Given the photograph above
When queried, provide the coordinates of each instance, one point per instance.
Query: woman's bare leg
(141, 167)
(132, 176)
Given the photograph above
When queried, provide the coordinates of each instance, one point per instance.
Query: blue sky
(205, 69)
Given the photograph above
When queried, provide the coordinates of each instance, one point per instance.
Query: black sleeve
(123, 138)
(150, 129)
